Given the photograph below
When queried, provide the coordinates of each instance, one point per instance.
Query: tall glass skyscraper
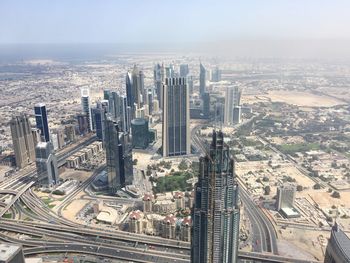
(41, 121)
(176, 117)
(85, 103)
(202, 79)
(99, 116)
(216, 211)
(46, 162)
(114, 156)
(134, 89)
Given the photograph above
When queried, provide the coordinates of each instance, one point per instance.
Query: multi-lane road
(51, 233)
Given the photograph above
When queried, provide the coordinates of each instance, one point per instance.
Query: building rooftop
(290, 212)
(135, 215)
(108, 215)
(147, 197)
(7, 251)
(342, 240)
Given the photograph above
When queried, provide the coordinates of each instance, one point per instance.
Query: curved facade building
(338, 248)
(140, 133)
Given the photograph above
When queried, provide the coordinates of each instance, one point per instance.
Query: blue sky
(148, 21)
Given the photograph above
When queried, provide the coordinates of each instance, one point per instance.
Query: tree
(267, 190)
(183, 165)
(300, 188)
(334, 164)
(266, 179)
(134, 162)
(317, 186)
(336, 194)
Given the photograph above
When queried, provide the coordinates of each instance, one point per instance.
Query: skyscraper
(159, 73)
(41, 121)
(190, 83)
(184, 70)
(237, 113)
(232, 100)
(60, 138)
(114, 156)
(202, 79)
(46, 162)
(116, 105)
(285, 196)
(134, 89)
(125, 114)
(216, 75)
(338, 247)
(99, 115)
(36, 136)
(70, 133)
(150, 102)
(22, 140)
(140, 133)
(206, 105)
(83, 123)
(176, 117)
(216, 211)
(85, 103)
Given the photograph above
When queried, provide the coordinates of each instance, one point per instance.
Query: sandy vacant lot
(303, 98)
(299, 98)
(76, 175)
(301, 243)
(298, 176)
(73, 208)
(325, 200)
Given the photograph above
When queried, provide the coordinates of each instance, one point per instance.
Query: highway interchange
(49, 232)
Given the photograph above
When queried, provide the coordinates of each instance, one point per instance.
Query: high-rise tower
(118, 156)
(202, 79)
(41, 121)
(85, 103)
(46, 162)
(22, 139)
(216, 211)
(232, 100)
(184, 70)
(176, 117)
(134, 89)
(114, 156)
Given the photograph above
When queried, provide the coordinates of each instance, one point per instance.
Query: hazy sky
(140, 21)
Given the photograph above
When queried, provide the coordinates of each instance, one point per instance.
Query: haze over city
(174, 131)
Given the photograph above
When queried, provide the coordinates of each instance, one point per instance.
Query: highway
(137, 252)
(265, 238)
(50, 233)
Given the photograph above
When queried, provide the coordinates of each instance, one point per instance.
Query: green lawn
(298, 147)
(47, 201)
(7, 215)
(176, 181)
